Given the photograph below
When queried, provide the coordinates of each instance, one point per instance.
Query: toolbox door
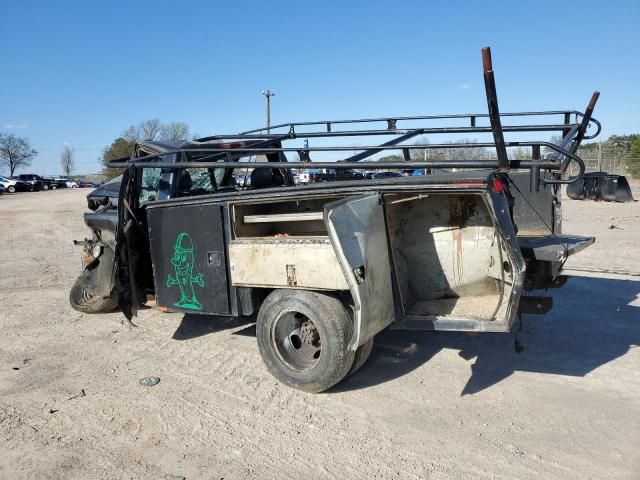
(357, 231)
(188, 256)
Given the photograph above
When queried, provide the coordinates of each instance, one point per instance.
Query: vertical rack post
(494, 112)
(534, 178)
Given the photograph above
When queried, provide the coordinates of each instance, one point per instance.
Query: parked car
(36, 182)
(324, 268)
(380, 175)
(2, 189)
(12, 186)
(57, 183)
(302, 178)
(85, 184)
(68, 183)
(336, 175)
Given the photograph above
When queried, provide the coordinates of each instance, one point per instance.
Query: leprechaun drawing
(184, 278)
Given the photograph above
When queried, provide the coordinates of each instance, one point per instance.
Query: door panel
(358, 234)
(189, 260)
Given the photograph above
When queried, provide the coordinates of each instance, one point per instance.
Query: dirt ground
(426, 405)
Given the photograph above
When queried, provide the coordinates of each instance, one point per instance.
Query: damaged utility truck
(217, 226)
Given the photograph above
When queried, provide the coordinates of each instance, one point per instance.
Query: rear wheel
(11, 189)
(45, 187)
(362, 355)
(303, 337)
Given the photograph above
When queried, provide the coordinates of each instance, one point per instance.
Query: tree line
(17, 152)
(624, 148)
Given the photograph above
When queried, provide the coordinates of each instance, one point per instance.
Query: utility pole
(268, 94)
(599, 156)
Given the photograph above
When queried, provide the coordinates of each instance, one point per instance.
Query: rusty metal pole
(585, 121)
(494, 112)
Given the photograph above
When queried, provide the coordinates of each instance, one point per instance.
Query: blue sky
(81, 72)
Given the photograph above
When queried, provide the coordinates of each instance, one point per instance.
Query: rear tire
(11, 189)
(45, 187)
(361, 356)
(303, 337)
(83, 301)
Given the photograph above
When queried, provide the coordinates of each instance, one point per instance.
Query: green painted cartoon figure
(182, 262)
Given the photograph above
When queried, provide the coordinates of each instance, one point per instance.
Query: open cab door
(133, 271)
(357, 232)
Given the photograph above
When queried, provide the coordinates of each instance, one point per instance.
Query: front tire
(84, 301)
(303, 337)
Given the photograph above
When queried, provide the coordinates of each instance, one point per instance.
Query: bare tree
(150, 129)
(521, 153)
(66, 159)
(15, 152)
(174, 131)
(468, 152)
(555, 139)
(154, 129)
(145, 130)
(455, 152)
(420, 154)
(131, 134)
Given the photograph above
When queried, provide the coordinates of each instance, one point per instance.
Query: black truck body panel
(189, 256)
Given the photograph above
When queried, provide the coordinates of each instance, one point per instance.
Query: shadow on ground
(193, 326)
(591, 324)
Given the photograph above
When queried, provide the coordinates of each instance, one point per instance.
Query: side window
(149, 185)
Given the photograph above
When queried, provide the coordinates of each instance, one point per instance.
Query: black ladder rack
(223, 151)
